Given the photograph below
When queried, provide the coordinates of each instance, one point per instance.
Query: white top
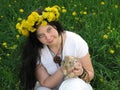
(74, 46)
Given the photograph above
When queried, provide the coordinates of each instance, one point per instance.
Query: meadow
(97, 21)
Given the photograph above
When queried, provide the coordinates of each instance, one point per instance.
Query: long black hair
(30, 53)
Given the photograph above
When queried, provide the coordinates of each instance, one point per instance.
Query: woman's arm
(85, 68)
(87, 65)
(47, 80)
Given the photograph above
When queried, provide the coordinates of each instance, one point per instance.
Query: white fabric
(47, 61)
(69, 84)
(41, 88)
(74, 46)
(75, 84)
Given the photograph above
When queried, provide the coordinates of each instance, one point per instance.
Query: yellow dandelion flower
(54, 10)
(84, 12)
(13, 47)
(51, 17)
(101, 79)
(25, 32)
(75, 5)
(76, 18)
(33, 17)
(81, 12)
(94, 13)
(105, 36)
(102, 3)
(108, 27)
(32, 29)
(113, 28)
(21, 10)
(7, 54)
(26, 24)
(74, 13)
(64, 10)
(43, 23)
(4, 44)
(1, 16)
(19, 19)
(56, 6)
(40, 20)
(57, 15)
(17, 36)
(48, 9)
(49, 14)
(116, 6)
(117, 46)
(9, 5)
(18, 26)
(72, 27)
(45, 14)
(112, 51)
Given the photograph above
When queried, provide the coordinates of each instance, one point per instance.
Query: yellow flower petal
(21, 10)
(74, 13)
(43, 23)
(64, 10)
(102, 3)
(25, 32)
(112, 51)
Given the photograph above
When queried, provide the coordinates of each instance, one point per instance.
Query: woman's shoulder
(70, 32)
(72, 35)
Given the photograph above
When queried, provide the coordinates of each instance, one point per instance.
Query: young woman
(46, 46)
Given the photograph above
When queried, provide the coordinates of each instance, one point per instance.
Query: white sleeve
(81, 47)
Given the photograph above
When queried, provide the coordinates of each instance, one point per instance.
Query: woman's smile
(50, 41)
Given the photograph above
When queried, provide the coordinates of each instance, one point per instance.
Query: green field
(97, 21)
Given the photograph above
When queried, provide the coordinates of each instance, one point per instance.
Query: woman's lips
(50, 41)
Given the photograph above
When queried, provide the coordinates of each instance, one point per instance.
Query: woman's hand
(77, 69)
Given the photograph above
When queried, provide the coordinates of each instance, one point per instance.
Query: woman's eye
(40, 36)
(49, 29)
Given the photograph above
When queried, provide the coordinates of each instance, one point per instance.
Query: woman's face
(47, 35)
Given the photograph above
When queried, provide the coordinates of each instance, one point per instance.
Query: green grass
(100, 20)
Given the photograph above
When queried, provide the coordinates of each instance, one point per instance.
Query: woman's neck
(57, 48)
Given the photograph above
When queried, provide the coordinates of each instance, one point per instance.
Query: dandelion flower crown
(27, 25)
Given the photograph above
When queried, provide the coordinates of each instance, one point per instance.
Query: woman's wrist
(84, 75)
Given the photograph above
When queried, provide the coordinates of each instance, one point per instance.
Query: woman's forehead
(43, 28)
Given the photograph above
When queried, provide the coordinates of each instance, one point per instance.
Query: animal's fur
(68, 64)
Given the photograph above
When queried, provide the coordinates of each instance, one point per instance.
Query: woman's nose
(48, 36)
